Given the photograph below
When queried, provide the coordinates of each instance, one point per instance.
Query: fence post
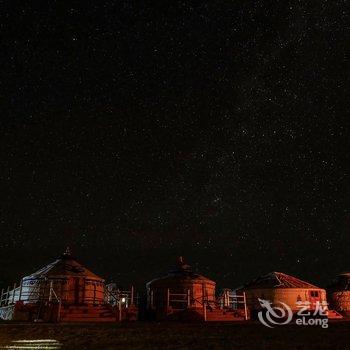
(2, 294)
(8, 295)
(205, 311)
(120, 310)
(168, 299)
(188, 298)
(203, 293)
(245, 306)
(50, 291)
(59, 310)
(13, 293)
(152, 300)
(20, 291)
(132, 296)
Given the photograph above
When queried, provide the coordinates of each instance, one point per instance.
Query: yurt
(65, 290)
(339, 294)
(64, 279)
(178, 290)
(279, 287)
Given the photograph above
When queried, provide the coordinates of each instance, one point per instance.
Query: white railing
(9, 297)
(123, 298)
(229, 299)
(175, 301)
(180, 301)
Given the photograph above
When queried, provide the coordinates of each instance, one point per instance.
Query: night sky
(136, 132)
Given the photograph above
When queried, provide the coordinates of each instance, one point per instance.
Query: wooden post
(205, 311)
(59, 310)
(42, 293)
(152, 299)
(132, 296)
(2, 294)
(188, 298)
(7, 296)
(94, 284)
(50, 291)
(245, 306)
(120, 310)
(167, 299)
(20, 290)
(13, 293)
(61, 289)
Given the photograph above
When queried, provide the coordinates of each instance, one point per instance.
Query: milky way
(136, 133)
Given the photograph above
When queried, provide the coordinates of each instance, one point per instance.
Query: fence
(60, 291)
(181, 301)
(125, 298)
(229, 299)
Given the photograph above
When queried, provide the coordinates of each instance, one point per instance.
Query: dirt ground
(138, 335)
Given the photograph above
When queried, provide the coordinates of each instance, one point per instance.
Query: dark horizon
(136, 134)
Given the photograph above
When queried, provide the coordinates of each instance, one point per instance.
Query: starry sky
(137, 131)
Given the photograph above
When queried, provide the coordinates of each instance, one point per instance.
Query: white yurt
(66, 279)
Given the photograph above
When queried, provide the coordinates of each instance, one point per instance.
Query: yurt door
(314, 297)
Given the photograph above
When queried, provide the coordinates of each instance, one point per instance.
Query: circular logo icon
(274, 315)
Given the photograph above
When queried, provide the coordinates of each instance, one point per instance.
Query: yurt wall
(340, 301)
(64, 279)
(196, 293)
(279, 287)
(71, 290)
(293, 297)
(339, 294)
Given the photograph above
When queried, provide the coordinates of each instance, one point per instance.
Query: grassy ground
(138, 335)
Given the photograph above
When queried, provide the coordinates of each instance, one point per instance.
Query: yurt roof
(345, 274)
(181, 272)
(65, 266)
(278, 280)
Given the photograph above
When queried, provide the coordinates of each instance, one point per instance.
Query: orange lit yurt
(279, 287)
(179, 290)
(339, 294)
(185, 295)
